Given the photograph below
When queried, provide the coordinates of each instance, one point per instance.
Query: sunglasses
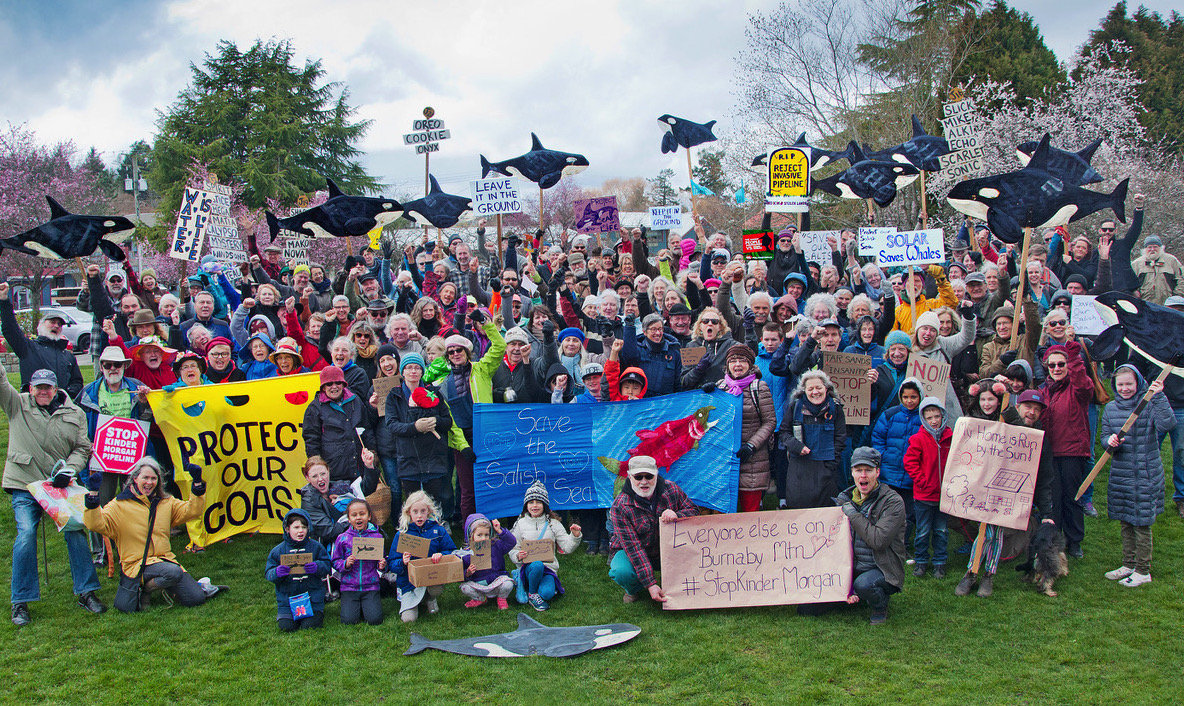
(362, 337)
(643, 476)
(334, 384)
(1106, 230)
(454, 351)
(509, 279)
(1058, 323)
(709, 321)
(112, 366)
(1054, 366)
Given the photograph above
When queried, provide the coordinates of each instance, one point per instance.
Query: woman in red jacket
(1067, 390)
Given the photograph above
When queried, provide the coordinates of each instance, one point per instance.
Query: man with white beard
(113, 393)
(646, 500)
(46, 352)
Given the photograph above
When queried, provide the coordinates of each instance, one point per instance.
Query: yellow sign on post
(789, 180)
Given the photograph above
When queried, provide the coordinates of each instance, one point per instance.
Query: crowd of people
(586, 320)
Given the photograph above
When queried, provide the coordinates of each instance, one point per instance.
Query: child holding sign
(419, 518)
(299, 587)
(494, 581)
(538, 581)
(359, 577)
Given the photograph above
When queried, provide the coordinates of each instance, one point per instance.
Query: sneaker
(878, 617)
(1180, 508)
(1136, 579)
(91, 602)
(433, 606)
(986, 587)
(471, 604)
(627, 598)
(503, 604)
(537, 602)
(20, 614)
(1119, 573)
(919, 570)
(965, 585)
(410, 615)
(939, 571)
(1089, 509)
(1075, 551)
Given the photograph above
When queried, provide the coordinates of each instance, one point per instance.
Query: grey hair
(860, 299)
(821, 299)
(800, 390)
(170, 297)
(340, 298)
(196, 330)
(152, 464)
(353, 349)
(405, 318)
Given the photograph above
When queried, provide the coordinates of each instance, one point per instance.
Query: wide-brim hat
(114, 354)
(142, 317)
(151, 342)
(287, 346)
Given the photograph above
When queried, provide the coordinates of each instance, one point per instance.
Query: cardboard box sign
(419, 547)
(422, 572)
(296, 561)
(382, 387)
(367, 548)
(691, 356)
(537, 550)
(482, 556)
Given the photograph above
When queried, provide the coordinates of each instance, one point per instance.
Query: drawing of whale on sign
(597, 215)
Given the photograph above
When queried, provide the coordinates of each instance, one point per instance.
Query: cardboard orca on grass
(532, 639)
(866, 178)
(339, 217)
(1031, 197)
(68, 235)
(437, 209)
(540, 165)
(923, 150)
(678, 132)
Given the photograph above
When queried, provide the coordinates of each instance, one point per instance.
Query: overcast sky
(588, 77)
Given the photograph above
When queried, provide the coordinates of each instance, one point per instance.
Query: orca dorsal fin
(1042, 154)
(1087, 152)
(525, 622)
(801, 141)
(435, 185)
(333, 190)
(918, 128)
(857, 154)
(55, 208)
(535, 145)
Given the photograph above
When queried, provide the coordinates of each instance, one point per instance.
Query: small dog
(1046, 559)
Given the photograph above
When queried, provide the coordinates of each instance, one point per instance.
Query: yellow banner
(246, 436)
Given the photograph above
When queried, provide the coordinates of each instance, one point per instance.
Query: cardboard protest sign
(912, 247)
(578, 453)
(991, 473)
(492, 197)
(1085, 317)
(367, 548)
(848, 371)
(537, 550)
(961, 124)
(246, 435)
(482, 555)
(119, 444)
(665, 217)
(933, 374)
(419, 547)
(759, 244)
(754, 559)
(222, 229)
(296, 249)
(422, 572)
(815, 248)
(382, 388)
(597, 215)
(871, 240)
(190, 232)
(296, 562)
(788, 184)
(690, 356)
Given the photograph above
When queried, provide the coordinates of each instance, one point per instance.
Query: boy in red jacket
(925, 462)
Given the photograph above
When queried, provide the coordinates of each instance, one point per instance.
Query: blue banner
(576, 450)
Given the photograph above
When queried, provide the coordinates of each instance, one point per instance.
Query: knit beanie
(412, 359)
(537, 491)
(898, 337)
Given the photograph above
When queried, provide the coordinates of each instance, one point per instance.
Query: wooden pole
(499, 234)
(912, 292)
(871, 212)
(540, 208)
(1130, 422)
(924, 203)
(349, 243)
(977, 552)
(694, 198)
(427, 184)
(1022, 266)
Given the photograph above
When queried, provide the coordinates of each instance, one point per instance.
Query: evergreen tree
(710, 172)
(662, 191)
(259, 120)
(1010, 49)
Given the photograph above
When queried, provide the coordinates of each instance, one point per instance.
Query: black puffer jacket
(421, 456)
(39, 353)
(331, 432)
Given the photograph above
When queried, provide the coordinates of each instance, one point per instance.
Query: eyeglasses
(656, 328)
(1058, 323)
(219, 355)
(112, 366)
(643, 476)
(709, 321)
(1054, 366)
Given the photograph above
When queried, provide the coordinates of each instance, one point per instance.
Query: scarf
(815, 410)
(367, 351)
(737, 387)
(572, 365)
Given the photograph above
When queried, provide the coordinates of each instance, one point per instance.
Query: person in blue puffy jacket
(891, 437)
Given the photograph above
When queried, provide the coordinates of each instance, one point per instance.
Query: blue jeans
(867, 587)
(1177, 437)
(621, 571)
(537, 580)
(931, 521)
(25, 584)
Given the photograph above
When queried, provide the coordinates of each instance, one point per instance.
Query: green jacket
(481, 379)
(37, 440)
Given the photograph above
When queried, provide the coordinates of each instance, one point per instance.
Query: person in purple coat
(359, 577)
(482, 584)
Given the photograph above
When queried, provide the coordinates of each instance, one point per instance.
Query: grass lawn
(1097, 641)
